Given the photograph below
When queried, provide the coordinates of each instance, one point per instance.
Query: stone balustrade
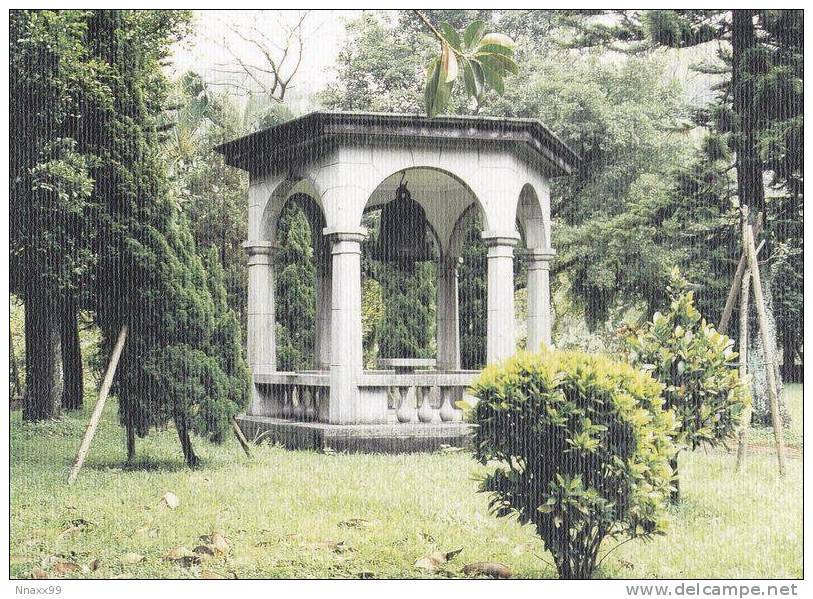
(388, 397)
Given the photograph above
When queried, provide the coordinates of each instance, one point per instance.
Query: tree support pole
(240, 436)
(84, 447)
(746, 415)
(735, 284)
(763, 330)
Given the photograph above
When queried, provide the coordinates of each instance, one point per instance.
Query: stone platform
(356, 438)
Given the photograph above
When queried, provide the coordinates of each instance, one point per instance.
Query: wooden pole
(735, 284)
(746, 415)
(762, 319)
(84, 447)
(240, 436)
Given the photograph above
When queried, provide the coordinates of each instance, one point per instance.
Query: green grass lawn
(304, 514)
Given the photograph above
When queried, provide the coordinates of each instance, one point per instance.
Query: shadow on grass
(143, 464)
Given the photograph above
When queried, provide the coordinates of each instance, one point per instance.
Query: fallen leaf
(132, 558)
(354, 523)
(148, 532)
(189, 560)
(204, 551)
(207, 575)
(219, 543)
(177, 553)
(337, 546)
(434, 561)
(171, 500)
(39, 574)
(82, 524)
(65, 567)
(490, 569)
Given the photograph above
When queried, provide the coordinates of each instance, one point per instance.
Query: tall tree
(182, 361)
(756, 118)
(50, 76)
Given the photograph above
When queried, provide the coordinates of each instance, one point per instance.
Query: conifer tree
(182, 360)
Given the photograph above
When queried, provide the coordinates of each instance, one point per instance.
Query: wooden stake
(746, 415)
(240, 436)
(735, 284)
(762, 319)
(84, 447)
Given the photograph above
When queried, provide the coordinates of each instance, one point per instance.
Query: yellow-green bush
(581, 446)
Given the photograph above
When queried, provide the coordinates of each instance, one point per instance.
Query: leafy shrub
(582, 447)
(696, 365)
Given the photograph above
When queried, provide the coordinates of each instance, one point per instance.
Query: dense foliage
(94, 187)
(183, 359)
(295, 291)
(50, 75)
(697, 366)
(582, 447)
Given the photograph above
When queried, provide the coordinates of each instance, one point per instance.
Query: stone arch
(293, 187)
(531, 219)
(443, 194)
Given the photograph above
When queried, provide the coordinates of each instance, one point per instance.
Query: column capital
(258, 246)
(335, 234)
(536, 255)
(494, 238)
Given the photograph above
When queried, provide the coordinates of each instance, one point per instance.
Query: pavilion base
(357, 438)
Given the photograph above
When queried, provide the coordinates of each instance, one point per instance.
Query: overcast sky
(323, 34)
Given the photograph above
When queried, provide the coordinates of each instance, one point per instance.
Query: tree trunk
(675, 495)
(15, 370)
(131, 441)
(72, 394)
(43, 356)
(751, 193)
(750, 186)
(192, 460)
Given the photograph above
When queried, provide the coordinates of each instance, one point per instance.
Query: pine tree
(295, 291)
(182, 360)
(755, 126)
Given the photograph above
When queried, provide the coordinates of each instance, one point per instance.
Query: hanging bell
(402, 233)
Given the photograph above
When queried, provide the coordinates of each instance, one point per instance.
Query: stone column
(324, 302)
(539, 312)
(345, 335)
(448, 334)
(500, 342)
(261, 338)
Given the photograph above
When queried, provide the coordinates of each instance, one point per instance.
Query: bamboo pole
(746, 415)
(84, 447)
(735, 284)
(762, 319)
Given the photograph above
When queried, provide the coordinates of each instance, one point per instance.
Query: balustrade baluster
(299, 407)
(425, 412)
(310, 404)
(405, 411)
(447, 410)
(287, 401)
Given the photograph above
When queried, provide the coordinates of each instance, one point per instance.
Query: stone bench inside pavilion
(340, 165)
